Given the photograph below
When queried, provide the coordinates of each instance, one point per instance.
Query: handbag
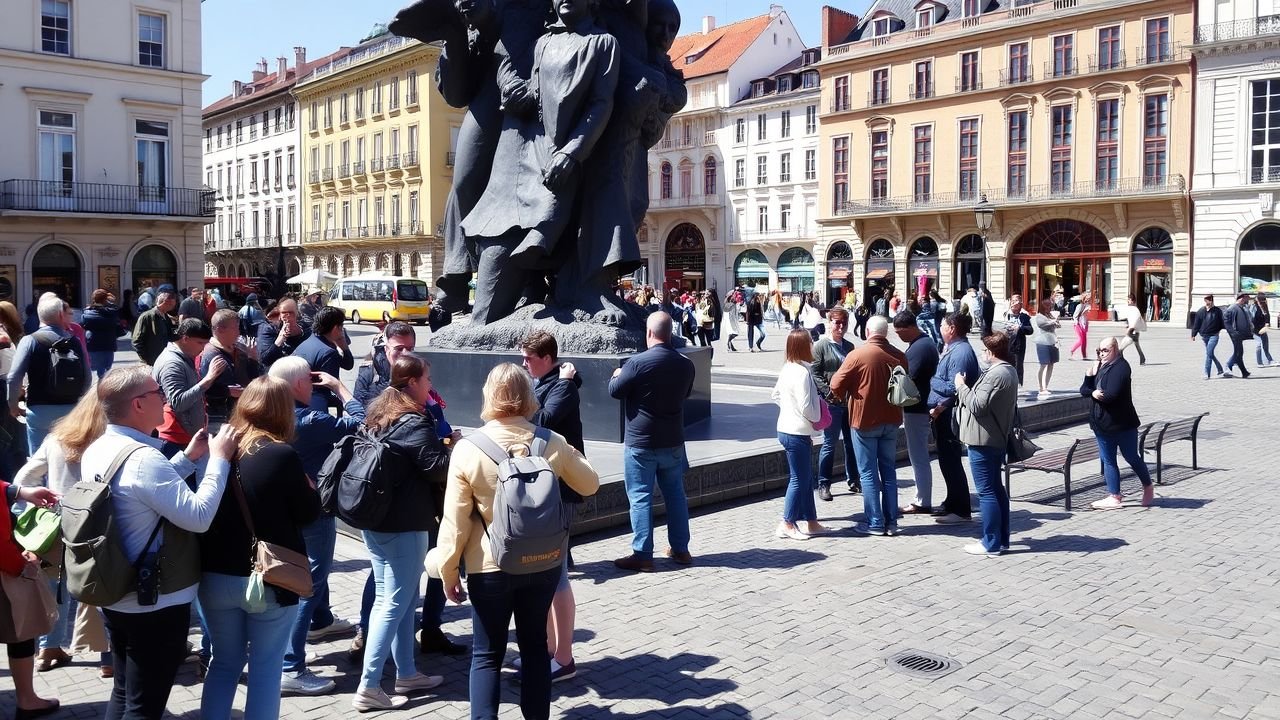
(27, 608)
(1018, 446)
(824, 420)
(38, 529)
(279, 566)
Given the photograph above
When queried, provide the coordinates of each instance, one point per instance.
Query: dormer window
(924, 17)
(971, 8)
(809, 57)
(784, 84)
(880, 27)
(809, 79)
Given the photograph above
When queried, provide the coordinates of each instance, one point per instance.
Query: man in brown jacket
(864, 379)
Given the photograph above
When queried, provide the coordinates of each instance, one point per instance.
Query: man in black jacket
(1239, 328)
(1017, 326)
(556, 388)
(373, 377)
(1208, 325)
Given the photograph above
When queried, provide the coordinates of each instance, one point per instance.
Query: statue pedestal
(459, 375)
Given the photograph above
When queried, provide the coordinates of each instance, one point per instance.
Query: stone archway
(57, 268)
(686, 258)
(1065, 261)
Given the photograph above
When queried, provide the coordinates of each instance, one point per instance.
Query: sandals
(52, 658)
(914, 509)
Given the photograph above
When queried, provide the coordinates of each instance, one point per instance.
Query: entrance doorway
(971, 263)
(751, 270)
(879, 273)
(839, 271)
(1065, 261)
(56, 269)
(795, 271)
(154, 266)
(686, 267)
(1260, 261)
(1153, 273)
(922, 268)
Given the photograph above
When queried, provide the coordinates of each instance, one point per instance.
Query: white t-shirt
(1133, 316)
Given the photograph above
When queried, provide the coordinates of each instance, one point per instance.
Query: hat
(251, 298)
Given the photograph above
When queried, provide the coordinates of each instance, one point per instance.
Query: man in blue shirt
(316, 433)
(326, 351)
(653, 386)
(957, 357)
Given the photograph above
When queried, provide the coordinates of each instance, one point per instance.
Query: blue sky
(239, 32)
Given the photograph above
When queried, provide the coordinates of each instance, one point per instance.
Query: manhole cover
(921, 664)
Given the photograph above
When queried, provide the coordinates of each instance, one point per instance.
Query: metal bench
(1060, 460)
(1170, 431)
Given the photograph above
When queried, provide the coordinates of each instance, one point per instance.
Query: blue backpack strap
(487, 446)
(541, 436)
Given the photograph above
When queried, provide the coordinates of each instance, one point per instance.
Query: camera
(149, 579)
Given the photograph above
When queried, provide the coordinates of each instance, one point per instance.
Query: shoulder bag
(824, 420)
(275, 564)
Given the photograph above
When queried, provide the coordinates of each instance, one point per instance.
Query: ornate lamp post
(983, 213)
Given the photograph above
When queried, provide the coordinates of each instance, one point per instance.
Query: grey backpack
(902, 390)
(98, 571)
(530, 529)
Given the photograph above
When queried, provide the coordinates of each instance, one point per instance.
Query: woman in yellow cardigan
(496, 595)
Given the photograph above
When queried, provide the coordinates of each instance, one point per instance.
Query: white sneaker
(417, 682)
(367, 699)
(1110, 502)
(306, 682)
(978, 549)
(951, 519)
(1224, 374)
(337, 627)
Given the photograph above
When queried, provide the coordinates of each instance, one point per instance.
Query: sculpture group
(564, 98)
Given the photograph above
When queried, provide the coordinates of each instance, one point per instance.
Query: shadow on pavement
(601, 571)
(727, 710)
(645, 677)
(1181, 503)
(1067, 543)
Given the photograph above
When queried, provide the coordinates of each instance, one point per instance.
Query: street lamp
(983, 213)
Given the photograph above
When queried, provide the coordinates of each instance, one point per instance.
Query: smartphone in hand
(315, 378)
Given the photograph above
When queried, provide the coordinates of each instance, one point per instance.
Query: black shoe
(355, 653)
(435, 641)
(855, 488)
(824, 493)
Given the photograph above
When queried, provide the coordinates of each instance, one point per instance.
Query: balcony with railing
(841, 104)
(416, 227)
(344, 170)
(1260, 175)
(1260, 27)
(375, 165)
(877, 98)
(327, 174)
(1107, 61)
(971, 83)
(291, 239)
(1090, 190)
(101, 198)
(1061, 68)
(1160, 53)
(449, 158)
(685, 201)
(922, 91)
(313, 176)
(1016, 76)
(313, 236)
(357, 168)
(409, 159)
(393, 162)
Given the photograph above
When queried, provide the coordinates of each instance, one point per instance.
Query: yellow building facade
(1071, 118)
(377, 160)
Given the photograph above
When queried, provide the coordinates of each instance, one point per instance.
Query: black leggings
(20, 650)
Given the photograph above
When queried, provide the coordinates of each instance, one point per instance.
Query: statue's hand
(559, 171)
(517, 100)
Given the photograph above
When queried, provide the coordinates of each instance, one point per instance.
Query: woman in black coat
(755, 323)
(1114, 421)
(101, 323)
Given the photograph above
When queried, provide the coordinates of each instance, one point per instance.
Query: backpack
(65, 381)
(902, 391)
(530, 530)
(357, 480)
(97, 570)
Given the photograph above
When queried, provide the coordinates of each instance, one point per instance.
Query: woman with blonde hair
(56, 465)
(497, 596)
(398, 543)
(268, 498)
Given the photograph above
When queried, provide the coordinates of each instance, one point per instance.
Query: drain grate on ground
(921, 664)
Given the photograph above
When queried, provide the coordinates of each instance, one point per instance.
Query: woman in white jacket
(799, 406)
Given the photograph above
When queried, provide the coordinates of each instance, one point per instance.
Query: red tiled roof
(717, 50)
(271, 83)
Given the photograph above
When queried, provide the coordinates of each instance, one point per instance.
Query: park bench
(1170, 431)
(1060, 460)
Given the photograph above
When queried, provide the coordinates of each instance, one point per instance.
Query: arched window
(664, 192)
(156, 265)
(709, 180)
(839, 250)
(969, 246)
(1055, 237)
(1153, 240)
(880, 250)
(686, 178)
(1258, 269)
(750, 269)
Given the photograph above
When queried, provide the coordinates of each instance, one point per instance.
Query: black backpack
(65, 381)
(358, 479)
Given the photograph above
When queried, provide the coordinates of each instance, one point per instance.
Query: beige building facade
(1072, 118)
(100, 182)
(377, 160)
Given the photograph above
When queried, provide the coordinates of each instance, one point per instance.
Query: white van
(381, 297)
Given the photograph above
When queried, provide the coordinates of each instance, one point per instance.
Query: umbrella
(315, 276)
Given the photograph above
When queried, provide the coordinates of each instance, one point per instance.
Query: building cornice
(364, 70)
(56, 95)
(143, 104)
(98, 68)
(774, 102)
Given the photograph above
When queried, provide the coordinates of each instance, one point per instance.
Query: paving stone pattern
(1168, 612)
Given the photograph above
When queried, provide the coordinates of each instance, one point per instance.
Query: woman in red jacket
(13, 561)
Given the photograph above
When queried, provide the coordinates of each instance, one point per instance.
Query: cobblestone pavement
(1168, 612)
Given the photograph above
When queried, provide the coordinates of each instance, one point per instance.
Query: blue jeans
(752, 340)
(993, 501)
(432, 603)
(837, 430)
(39, 419)
(495, 598)
(313, 612)
(240, 636)
(397, 569)
(877, 449)
(1210, 344)
(60, 635)
(641, 467)
(1126, 441)
(101, 361)
(1264, 348)
(799, 504)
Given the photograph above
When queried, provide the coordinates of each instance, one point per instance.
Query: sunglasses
(148, 393)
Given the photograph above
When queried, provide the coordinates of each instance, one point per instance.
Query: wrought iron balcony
(415, 227)
(449, 158)
(921, 91)
(1238, 30)
(1104, 62)
(313, 236)
(1160, 53)
(375, 165)
(1061, 69)
(327, 174)
(875, 99)
(1016, 76)
(1085, 190)
(358, 167)
(344, 170)
(393, 162)
(313, 176)
(971, 83)
(78, 197)
(410, 159)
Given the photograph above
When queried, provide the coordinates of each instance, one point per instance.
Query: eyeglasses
(1103, 350)
(157, 391)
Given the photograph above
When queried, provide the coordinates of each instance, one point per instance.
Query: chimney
(836, 26)
(237, 87)
(299, 59)
(708, 23)
(282, 67)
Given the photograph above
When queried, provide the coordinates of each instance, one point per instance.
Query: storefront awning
(837, 273)
(878, 273)
(929, 272)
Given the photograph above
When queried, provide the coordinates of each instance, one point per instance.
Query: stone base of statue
(460, 374)
(576, 332)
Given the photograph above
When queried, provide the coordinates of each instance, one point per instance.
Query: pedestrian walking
(1045, 338)
(1136, 324)
(652, 386)
(1208, 325)
(799, 408)
(732, 311)
(1239, 327)
(828, 355)
(987, 411)
(498, 596)
(957, 358)
(1114, 421)
(1261, 317)
(102, 329)
(922, 358)
(755, 323)
(154, 329)
(48, 399)
(860, 316)
(1017, 326)
(864, 378)
(1080, 321)
(987, 308)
